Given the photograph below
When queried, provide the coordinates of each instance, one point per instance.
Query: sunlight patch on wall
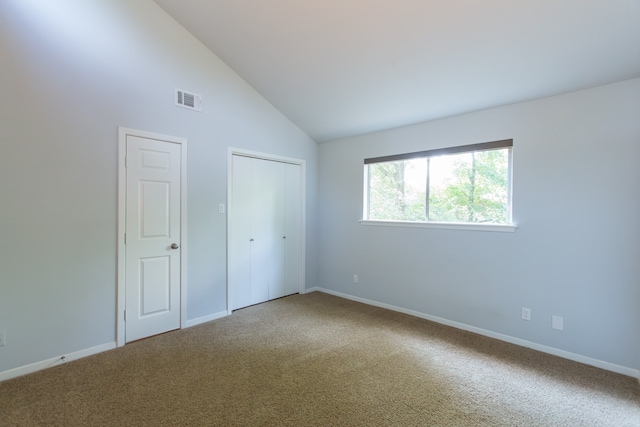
(83, 31)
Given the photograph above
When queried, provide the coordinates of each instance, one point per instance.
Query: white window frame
(509, 227)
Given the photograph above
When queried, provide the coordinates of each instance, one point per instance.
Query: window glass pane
(469, 187)
(397, 190)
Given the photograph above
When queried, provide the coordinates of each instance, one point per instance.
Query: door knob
(174, 246)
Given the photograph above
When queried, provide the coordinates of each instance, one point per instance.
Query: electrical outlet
(355, 278)
(557, 322)
(526, 313)
(3, 338)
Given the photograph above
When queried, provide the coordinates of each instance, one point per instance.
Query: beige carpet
(320, 360)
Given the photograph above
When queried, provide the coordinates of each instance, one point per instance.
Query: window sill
(504, 228)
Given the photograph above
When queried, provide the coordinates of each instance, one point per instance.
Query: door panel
(293, 229)
(269, 207)
(154, 199)
(155, 286)
(152, 226)
(264, 215)
(240, 233)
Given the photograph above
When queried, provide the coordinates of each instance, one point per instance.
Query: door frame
(123, 132)
(303, 220)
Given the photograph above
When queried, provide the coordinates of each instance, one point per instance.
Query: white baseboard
(204, 319)
(635, 373)
(44, 364)
(34, 367)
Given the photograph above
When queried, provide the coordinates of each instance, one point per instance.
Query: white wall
(72, 72)
(575, 252)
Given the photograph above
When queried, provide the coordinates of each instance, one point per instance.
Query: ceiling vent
(188, 100)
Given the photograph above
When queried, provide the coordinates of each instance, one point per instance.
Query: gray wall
(575, 252)
(72, 72)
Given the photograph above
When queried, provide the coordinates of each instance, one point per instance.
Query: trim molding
(123, 132)
(505, 228)
(54, 361)
(204, 319)
(635, 373)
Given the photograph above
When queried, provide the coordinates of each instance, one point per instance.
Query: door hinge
(125, 238)
(125, 315)
(125, 161)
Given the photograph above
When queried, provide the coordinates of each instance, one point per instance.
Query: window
(466, 184)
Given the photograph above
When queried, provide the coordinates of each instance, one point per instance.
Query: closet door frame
(303, 228)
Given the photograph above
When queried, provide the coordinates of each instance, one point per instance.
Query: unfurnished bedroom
(331, 213)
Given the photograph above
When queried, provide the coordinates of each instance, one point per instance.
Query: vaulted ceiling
(339, 68)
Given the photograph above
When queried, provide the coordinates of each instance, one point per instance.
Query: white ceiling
(338, 68)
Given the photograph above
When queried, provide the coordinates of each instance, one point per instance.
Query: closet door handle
(251, 240)
(284, 237)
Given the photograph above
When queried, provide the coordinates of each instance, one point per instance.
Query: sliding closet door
(241, 208)
(265, 230)
(292, 228)
(267, 213)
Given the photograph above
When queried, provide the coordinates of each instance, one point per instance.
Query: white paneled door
(153, 237)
